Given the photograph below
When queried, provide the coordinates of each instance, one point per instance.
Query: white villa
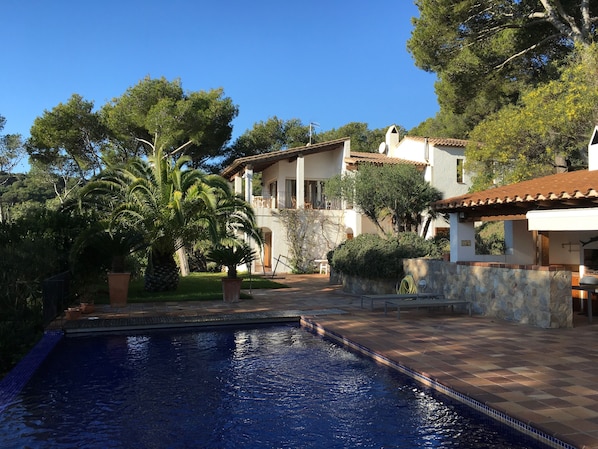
(294, 179)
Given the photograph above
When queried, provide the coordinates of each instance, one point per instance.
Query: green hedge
(374, 257)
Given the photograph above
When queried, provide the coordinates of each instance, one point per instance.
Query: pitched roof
(262, 161)
(358, 157)
(563, 190)
(439, 141)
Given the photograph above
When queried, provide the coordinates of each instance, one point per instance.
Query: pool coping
(12, 384)
(95, 324)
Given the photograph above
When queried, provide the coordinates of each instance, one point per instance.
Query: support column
(300, 194)
(462, 239)
(543, 248)
(238, 184)
(248, 183)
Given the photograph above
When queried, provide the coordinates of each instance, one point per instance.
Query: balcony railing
(267, 202)
(270, 203)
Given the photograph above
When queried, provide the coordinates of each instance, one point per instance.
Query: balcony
(270, 203)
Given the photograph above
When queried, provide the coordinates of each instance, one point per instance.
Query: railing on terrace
(270, 203)
(55, 294)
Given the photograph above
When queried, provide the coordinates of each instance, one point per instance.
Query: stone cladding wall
(534, 295)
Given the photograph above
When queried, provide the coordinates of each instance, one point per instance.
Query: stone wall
(539, 296)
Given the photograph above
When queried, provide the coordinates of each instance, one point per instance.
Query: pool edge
(14, 381)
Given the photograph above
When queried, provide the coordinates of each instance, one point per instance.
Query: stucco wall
(540, 296)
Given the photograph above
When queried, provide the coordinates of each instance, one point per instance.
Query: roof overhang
(262, 161)
(563, 220)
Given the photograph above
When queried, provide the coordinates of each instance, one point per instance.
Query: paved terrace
(546, 378)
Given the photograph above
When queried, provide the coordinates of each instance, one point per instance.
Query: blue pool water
(269, 387)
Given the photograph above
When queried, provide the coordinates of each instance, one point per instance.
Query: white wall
(443, 162)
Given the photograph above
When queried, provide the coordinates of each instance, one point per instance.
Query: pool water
(265, 387)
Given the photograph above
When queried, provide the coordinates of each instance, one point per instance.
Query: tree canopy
(73, 139)
(362, 138)
(398, 192)
(487, 52)
(68, 139)
(274, 134)
(546, 131)
(168, 203)
(11, 149)
(157, 113)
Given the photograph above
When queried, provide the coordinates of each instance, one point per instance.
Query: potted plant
(107, 247)
(121, 243)
(231, 255)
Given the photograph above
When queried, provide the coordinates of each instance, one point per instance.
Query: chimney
(392, 138)
(593, 151)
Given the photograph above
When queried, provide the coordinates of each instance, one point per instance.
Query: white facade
(294, 179)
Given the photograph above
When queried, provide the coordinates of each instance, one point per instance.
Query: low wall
(539, 296)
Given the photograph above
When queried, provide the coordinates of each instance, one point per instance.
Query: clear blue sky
(325, 61)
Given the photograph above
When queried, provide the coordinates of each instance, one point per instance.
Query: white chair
(323, 263)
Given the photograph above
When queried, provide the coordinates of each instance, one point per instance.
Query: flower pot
(118, 286)
(231, 289)
(72, 313)
(87, 307)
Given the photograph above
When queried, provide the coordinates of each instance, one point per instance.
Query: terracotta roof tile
(378, 158)
(578, 185)
(440, 141)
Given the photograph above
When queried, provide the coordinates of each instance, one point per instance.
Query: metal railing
(55, 294)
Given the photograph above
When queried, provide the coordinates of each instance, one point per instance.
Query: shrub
(33, 247)
(374, 257)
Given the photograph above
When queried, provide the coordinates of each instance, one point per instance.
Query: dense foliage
(169, 205)
(485, 53)
(374, 257)
(546, 132)
(73, 139)
(11, 149)
(33, 247)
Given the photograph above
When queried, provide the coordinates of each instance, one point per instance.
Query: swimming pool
(265, 387)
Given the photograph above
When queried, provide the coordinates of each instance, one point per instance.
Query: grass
(195, 287)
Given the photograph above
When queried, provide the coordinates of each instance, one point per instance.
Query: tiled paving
(545, 378)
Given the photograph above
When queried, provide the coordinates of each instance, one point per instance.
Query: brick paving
(545, 378)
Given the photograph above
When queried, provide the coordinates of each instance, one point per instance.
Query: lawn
(195, 287)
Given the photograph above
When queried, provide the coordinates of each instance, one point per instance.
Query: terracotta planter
(118, 286)
(231, 289)
(72, 313)
(87, 307)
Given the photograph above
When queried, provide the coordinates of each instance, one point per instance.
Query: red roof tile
(358, 157)
(546, 191)
(440, 141)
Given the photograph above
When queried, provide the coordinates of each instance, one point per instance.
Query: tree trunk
(183, 261)
(560, 164)
(162, 274)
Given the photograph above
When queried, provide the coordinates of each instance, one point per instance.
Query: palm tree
(171, 205)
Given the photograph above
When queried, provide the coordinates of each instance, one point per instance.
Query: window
(460, 170)
(290, 193)
(313, 194)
